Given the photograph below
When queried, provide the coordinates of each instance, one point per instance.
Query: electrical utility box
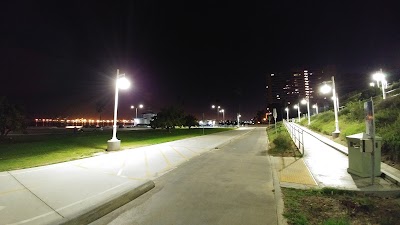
(360, 154)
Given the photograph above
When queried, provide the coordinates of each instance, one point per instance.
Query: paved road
(229, 185)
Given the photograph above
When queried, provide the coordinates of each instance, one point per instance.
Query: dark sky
(58, 58)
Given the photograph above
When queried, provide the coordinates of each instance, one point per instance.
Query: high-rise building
(287, 90)
(274, 88)
(299, 86)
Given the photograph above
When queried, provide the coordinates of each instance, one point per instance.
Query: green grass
(280, 141)
(28, 151)
(329, 206)
(298, 213)
(352, 121)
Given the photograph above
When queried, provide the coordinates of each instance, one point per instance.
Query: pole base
(335, 134)
(113, 145)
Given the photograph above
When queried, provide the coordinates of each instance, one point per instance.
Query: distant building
(285, 90)
(145, 120)
(275, 86)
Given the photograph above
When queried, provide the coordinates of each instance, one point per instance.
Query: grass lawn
(329, 206)
(27, 151)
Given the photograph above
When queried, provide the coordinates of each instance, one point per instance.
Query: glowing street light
(307, 101)
(326, 89)
(315, 106)
(217, 107)
(223, 114)
(287, 113)
(133, 107)
(380, 76)
(238, 119)
(120, 83)
(297, 106)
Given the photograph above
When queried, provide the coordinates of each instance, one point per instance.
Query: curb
(108, 205)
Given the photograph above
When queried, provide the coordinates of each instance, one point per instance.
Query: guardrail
(296, 134)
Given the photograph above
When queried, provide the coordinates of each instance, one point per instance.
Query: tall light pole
(217, 107)
(315, 106)
(297, 106)
(287, 113)
(380, 76)
(120, 83)
(223, 114)
(238, 119)
(140, 106)
(307, 101)
(326, 89)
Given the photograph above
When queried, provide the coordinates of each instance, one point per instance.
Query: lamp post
(315, 106)
(380, 76)
(140, 106)
(223, 114)
(287, 113)
(326, 89)
(297, 106)
(307, 101)
(238, 119)
(120, 83)
(217, 107)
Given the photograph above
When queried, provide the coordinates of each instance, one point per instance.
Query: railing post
(302, 137)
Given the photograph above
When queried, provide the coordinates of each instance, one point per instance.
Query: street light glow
(378, 76)
(123, 83)
(120, 83)
(325, 89)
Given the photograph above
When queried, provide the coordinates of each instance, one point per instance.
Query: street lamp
(307, 101)
(120, 83)
(238, 119)
(326, 89)
(315, 106)
(380, 76)
(223, 115)
(297, 106)
(140, 106)
(217, 107)
(287, 113)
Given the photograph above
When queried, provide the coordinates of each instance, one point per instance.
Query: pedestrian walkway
(81, 191)
(327, 162)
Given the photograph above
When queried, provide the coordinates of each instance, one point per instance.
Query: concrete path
(233, 184)
(326, 162)
(82, 191)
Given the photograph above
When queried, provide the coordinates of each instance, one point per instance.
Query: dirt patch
(386, 159)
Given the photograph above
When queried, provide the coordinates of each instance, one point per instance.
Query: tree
(260, 116)
(100, 105)
(168, 118)
(190, 121)
(12, 118)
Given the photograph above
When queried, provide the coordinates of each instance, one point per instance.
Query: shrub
(282, 141)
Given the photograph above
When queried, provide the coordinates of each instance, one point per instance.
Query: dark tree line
(12, 117)
(171, 117)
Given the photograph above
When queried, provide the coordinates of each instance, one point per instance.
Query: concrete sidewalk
(81, 191)
(325, 164)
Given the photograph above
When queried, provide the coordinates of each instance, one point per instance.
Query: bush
(282, 141)
(354, 111)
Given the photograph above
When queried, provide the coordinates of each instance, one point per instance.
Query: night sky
(58, 58)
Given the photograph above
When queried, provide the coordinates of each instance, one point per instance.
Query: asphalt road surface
(229, 185)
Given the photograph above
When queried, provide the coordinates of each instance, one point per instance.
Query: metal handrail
(296, 134)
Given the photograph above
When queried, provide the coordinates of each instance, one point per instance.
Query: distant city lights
(80, 121)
